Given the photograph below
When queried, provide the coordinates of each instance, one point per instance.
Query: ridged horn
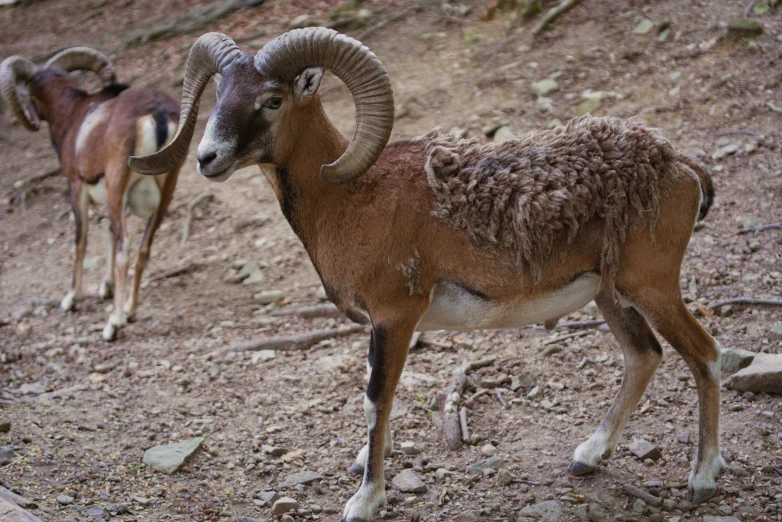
(16, 71)
(210, 54)
(84, 59)
(289, 54)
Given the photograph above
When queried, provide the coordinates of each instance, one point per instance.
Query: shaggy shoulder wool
(527, 193)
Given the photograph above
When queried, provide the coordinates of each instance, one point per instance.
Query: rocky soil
(279, 428)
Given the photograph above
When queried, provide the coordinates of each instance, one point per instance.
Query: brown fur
(528, 192)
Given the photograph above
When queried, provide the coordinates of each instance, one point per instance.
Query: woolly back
(531, 192)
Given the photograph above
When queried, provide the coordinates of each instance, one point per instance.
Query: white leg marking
(68, 303)
(363, 505)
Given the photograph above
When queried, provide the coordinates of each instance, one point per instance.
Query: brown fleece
(528, 192)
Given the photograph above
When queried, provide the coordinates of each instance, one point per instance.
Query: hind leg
(106, 288)
(80, 202)
(702, 354)
(642, 354)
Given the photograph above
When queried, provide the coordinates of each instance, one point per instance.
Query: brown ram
(437, 233)
(94, 134)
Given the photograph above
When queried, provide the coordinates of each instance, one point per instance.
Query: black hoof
(130, 319)
(578, 468)
(356, 469)
(700, 495)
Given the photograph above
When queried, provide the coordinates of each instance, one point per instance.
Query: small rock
(32, 388)
(587, 106)
(504, 477)
(267, 297)
(775, 334)
(410, 448)
(274, 451)
(669, 504)
(643, 27)
(755, 245)
(64, 500)
(6, 455)
(301, 21)
(408, 482)
(734, 359)
(490, 463)
(547, 510)
(684, 437)
(286, 518)
(246, 519)
(168, 458)
(503, 133)
(488, 450)
(467, 516)
(727, 150)
(97, 514)
(737, 469)
(284, 505)
(255, 277)
(544, 87)
(262, 356)
(744, 25)
(302, 477)
(639, 506)
(712, 518)
(525, 380)
(644, 449)
(5, 426)
(597, 513)
(764, 374)
(443, 473)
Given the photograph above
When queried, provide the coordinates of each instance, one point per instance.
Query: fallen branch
(174, 272)
(310, 312)
(552, 15)
(749, 7)
(643, 495)
(731, 133)
(10, 496)
(287, 343)
(190, 207)
(463, 425)
(390, 20)
(564, 337)
(21, 187)
(746, 301)
(759, 228)
(12, 510)
(191, 22)
(773, 107)
(480, 393)
(500, 398)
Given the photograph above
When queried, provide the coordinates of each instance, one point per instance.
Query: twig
(732, 132)
(582, 324)
(310, 312)
(437, 344)
(746, 301)
(185, 269)
(749, 7)
(453, 396)
(475, 365)
(529, 9)
(773, 107)
(552, 15)
(643, 495)
(564, 337)
(480, 393)
(20, 188)
(286, 343)
(390, 20)
(759, 228)
(190, 207)
(525, 481)
(463, 425)
(500, 398)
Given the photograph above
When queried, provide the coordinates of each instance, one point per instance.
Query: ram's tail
(707, 187)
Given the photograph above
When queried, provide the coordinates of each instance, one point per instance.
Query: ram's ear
(306, 85)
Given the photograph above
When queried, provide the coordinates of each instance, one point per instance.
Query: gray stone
(287, 518)
(262, 356)
(744, 25)
(597, 513)
(736, 469)
(734, 359)
(97, 514)
(255, 277)
(6, 455)
(587, 106)
(727, 150)
(467, 516)
(669, 504)
(504, 478)
(167, 458)
(410, 448)
(639, 506)
(64, 500)
(302, 477)
(268, 496)
(274, 451)
(525, 380)
(443, 473)
(775, 334)
(302, 21)
(284, 505)
(684, 437)
(503, 133)
(246, 519)
(407, 481)
(764, 374)
(494, 462)
(489, 450)
(268, 296)
(644, 449)
(547, 510)
(712, 518)
(543, 87)
(33, 388)
(643, 27)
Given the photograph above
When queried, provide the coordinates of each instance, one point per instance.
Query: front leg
(80, 203)
(390, 340)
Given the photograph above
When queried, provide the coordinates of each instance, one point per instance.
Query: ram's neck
(63, 105)
(304, 198)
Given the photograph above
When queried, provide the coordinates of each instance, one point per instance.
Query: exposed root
(21, 187)
(746, 301)
(174, 272)
(759, 228)
(552, 15)
(190, 207)
(454, 416)
(565, 337)
(310, 312)
(287, 343)
(643, 495)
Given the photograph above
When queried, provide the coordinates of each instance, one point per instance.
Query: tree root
(302, 341)
(454, 416)
(190, 207)
(552, 15)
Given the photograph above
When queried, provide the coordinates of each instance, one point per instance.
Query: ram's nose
(205, 158)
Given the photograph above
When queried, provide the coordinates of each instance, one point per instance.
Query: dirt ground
(168, 377)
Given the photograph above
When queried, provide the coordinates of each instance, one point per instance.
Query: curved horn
(209, 55)
(84, 59)
(289, 54)
(14, 71)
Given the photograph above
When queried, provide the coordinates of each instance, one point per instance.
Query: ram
(94, 134)
(440, 233)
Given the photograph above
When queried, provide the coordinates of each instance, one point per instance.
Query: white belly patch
(97, 192)
(455, 308)
(143, 195)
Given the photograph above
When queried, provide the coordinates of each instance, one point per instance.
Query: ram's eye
(273, 103)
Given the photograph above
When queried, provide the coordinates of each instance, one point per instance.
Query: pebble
(33, 388)
(727, 150)
(5, 426)
(301, 21)
(410, 448)
(490, 463)
(643, 27)
(6, 455)
(64, 500)
(97, 514)
(644, 449)
(407, 481)
(546, 510)
(587, 106)
(168, 458)
(302, 477)
(268, 297)
(639, 506)
(286, 518)
(262, 356)
(443, 473)
(504, 477)
(284, 505)
(544, 87)
(764, 374)
(737, 470)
